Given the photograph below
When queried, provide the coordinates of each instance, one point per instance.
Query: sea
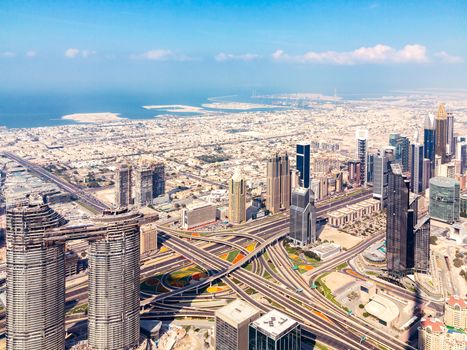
(40, 109)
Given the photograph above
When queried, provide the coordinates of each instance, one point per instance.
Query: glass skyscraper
(444, 199)
(275, 331)
(429, 142)
(303, 163)
(362, 153)
(401, 145)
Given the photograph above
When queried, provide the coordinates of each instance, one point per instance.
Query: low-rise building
(455, 312)
(197, 215)
(353, 213)
(433, 335)
(326, 250)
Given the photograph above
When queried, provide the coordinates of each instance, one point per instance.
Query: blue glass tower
(303, 163)
(429, 142)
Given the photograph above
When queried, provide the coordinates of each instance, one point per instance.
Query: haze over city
(233, 175)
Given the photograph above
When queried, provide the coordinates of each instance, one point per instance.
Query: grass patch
(79, 309)
(341, 266)
(153, 285)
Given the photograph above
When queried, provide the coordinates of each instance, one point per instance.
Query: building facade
(361, 137)
(429, 142)
(197, 215)
(416, 167)
(278, 183)
(441, 134)
(455, 312)
(401, 145)
(114, 285)
(399, 224)
(237, 198)
(444, 199)
(302, 217)
(303, 163)
(231, 325)
(123, 185)
(35, 292)
(422, 245)
(274, 331)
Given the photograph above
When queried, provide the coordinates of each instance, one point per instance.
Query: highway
(87, 199)
(286, 297)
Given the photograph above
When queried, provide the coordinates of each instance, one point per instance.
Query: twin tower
(35, 294)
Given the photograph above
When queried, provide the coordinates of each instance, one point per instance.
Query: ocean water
(35, 109)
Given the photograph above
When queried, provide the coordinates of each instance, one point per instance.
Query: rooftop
(442, 181)
(382, 308)
(434, 324)
(454, 300)
(274, 324)
(237, 312)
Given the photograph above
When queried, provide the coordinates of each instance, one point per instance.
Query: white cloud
(222, 57)
(31, 53)
(161, 55)
(7, 54)
(73, 52)
(447, 58)
(376, 54)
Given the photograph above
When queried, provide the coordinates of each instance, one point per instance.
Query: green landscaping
(153, 285)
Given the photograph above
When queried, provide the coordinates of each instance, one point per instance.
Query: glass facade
(291, 340)
(444, 199)
(303, 164)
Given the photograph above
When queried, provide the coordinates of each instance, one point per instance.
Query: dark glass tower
(399, 225)
(429, 142)
(401, 145)
(442, 134)
(303, 163)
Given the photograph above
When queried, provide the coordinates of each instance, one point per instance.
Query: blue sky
(353, 46)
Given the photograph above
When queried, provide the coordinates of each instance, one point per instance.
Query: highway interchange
(285, 288)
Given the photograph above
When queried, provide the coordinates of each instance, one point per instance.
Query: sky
(230, 46)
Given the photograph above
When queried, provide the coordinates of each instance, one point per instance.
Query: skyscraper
(429, 142)
(276, 331)
(450, 140)
(114, 269)
(35, 292)
(278, 183)
(302, 217)
(143, 185)
(237, 198)
(422, 245)
(441, 133)
(401, 145)
(232, 323)
(303, 163)
(158, 179)
(416, 166)
(380, 178)
(123, 186)
(461, 154)
(361, 137)
(399, 224)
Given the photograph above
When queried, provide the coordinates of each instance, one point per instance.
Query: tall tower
(237, 198)
(123, 186)
(450, 140)
(143, 186)
(416, 166)
(35, 292)
(429, 142)
(158, 180)
(361, 137)
(114, 268)
(381, 169)
(401, 145)
(441, 133)
(278, 183)
(302, 217)
(303, 163)
(399, 224)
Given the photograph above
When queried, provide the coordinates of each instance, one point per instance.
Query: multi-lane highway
(87, 199)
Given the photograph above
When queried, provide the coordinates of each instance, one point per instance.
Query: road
(87, 199)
